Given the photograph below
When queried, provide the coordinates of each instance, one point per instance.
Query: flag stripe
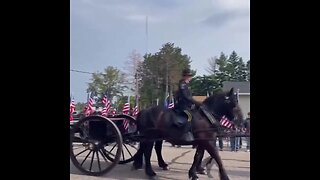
(224, 121)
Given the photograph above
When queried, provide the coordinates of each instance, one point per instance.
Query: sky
(105, 32)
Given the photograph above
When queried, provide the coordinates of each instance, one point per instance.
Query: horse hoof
(166, 168)
(201, 171)
(154, 178)
(136, 167)
(224, 177)
(151, 173)
(194, 178)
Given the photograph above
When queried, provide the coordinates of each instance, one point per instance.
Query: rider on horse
(185, 102)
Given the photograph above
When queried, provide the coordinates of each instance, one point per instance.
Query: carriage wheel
(89, 139)
(130, 145)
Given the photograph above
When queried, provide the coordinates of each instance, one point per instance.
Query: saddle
(182, 118)
(182, 125)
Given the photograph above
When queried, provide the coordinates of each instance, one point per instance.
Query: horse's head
(224, 104)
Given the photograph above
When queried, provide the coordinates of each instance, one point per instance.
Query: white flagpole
(238, 91)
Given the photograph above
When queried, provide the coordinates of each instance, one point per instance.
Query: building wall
(244, 101)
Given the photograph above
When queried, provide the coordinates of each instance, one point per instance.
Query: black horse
(157, 123)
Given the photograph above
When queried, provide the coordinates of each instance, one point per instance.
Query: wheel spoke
(86, 157)
(133, 146)
(98, 161)
(105, 151)
(113, 148)
(127, 150)
(122, 155)
(81, 152)
(92, 160)
(103, 155)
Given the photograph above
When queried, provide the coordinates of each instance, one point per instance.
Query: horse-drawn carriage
(114, 139)
(98, 143)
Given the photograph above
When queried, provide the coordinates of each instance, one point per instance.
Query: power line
(85, 72)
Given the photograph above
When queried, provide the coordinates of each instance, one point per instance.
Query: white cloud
(232, 4)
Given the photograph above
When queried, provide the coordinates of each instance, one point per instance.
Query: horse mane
(212, 100)
(215, 102)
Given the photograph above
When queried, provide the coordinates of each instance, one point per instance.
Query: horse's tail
(138, 120)
(145, 118)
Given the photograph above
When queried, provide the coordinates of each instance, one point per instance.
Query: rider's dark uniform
(185, 102)
(184, 97)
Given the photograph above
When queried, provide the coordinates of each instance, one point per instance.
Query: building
(244, 93)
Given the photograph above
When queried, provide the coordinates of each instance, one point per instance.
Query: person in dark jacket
(247, 130)
(184, 100)
(184, 95)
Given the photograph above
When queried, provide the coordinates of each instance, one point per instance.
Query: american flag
(171, 105)
(125, 110)
(106, 104)
(72, 108)
(135, 111)
(224, 121)
(89, 107)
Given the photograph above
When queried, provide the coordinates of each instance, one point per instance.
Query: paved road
(180, 159)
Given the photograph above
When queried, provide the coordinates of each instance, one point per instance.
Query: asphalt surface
(179, 159)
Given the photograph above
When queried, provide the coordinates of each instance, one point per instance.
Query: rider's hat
(187, 72)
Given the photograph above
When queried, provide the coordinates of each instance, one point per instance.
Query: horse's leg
(212, 150)
(196, 160)
(158, 148)
(199, 168)
(138, 157)
(147, 156)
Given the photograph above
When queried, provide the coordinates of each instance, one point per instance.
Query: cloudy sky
(104, 32)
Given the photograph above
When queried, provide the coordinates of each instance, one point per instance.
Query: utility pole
(147, 34)
(136, 89)
(167, 79)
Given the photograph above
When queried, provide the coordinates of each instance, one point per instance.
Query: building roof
(244, 86)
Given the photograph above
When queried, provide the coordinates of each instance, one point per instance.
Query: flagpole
(147, 34)
(238, 91)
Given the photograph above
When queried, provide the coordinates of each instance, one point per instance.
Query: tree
(236, 70)
(109, 83)
(202, 85)
(160, 73)
(248, 70)
(80, 106)
(212, 65)
(122, 100)
(131, 67)
(220, 68)
(226, 68)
